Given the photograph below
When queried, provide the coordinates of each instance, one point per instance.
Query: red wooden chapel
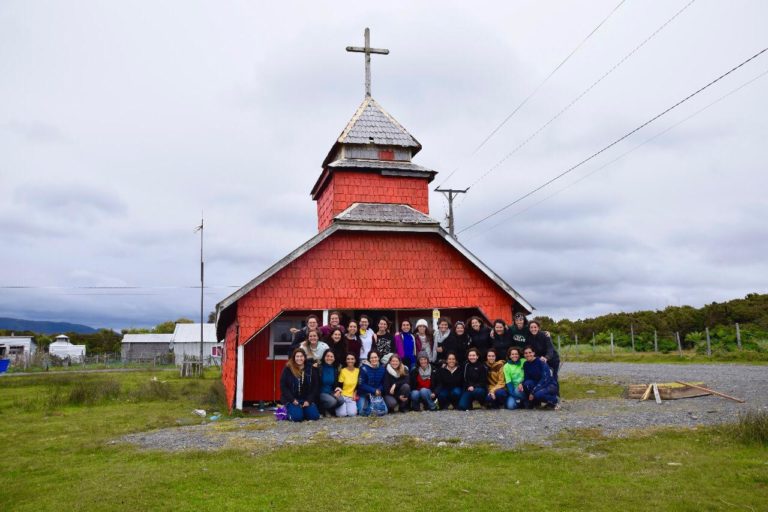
(377, 251)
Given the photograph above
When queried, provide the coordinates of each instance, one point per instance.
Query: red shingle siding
(374, 271)
(229, 363)
(347, 187)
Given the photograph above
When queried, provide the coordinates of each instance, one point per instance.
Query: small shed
(12, 347)
(64, 348)
(135, 347)
(186, 343)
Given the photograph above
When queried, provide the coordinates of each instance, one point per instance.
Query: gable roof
(371, 124)
(385, 213)
(190, 333)
(151, 337)
(400, 225)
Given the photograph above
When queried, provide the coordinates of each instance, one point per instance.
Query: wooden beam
(729, 397)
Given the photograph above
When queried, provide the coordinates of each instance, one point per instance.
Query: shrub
(153, 390)
(751, 428)
(89, 392)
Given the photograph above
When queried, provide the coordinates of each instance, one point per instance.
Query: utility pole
(202, 290)
(450, 194)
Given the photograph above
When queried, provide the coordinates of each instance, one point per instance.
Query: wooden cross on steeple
(367, 50)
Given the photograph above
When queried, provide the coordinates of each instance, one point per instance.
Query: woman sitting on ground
(543, 347)
(538, 383)
(352, 341)
(457, 343)
(385, 344)
(348, 378)
(298, 388)
(397, 388)
(450, 383)
(425, 340)
(330, 390)
(423, 384)
(407, 344)
(501, 338)
(370, 383)
(513, 378)
(497, 389)
(314, 348)
(475, 381)
(480, 335)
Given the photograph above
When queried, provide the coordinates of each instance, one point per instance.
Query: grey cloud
(36, 132)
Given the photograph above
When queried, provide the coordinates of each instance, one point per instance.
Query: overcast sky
(120, 122)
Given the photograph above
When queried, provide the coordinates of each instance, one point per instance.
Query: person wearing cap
(425, 340)
(518, 331)
(423, 384)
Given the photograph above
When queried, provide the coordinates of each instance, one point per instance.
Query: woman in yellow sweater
(497, 391)
(348, 377)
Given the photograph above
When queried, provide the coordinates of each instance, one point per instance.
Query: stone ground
(503, 428)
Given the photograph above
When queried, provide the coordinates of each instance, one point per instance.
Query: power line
(628, 134)
(632, 150)
(579, 97)
(535, 90)
(32, 287)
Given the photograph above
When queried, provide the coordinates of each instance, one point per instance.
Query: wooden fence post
(738, 336)
(576, 336)
(593, 341)
(709, 346)
(632, 335)
(655, 341)
(558, 343)
(611, 343)
(679, 345)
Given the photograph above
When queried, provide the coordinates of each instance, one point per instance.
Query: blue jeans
(422, 395)
(501, 399)
(468, 397)
(299, 413)
(448, 397)
(514, 396)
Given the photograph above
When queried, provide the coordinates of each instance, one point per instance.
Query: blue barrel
(4, 365)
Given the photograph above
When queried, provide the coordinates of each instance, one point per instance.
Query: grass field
(601, 353)
(58, 433)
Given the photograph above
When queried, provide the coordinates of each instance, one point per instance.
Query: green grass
(63, 457)
(602, 354)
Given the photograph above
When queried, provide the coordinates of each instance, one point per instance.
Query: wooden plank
(656, 393)
(668, 391)
(647, 392)
(729, 397)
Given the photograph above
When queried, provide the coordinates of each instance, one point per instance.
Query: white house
(62, 347)
(12, 347)
(145, 346)
(186, 343)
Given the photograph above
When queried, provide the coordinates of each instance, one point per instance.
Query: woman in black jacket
(543, 347)
(501, 338)
(450, 383)
(299, 385)
(457, 343)
(480, 335)
(475, 380)
(397, 388)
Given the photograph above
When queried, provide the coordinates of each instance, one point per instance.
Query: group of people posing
(359, 370)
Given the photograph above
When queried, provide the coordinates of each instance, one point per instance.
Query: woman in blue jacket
(299, 387)
(330, 397)
(371, 381)
(538, 383)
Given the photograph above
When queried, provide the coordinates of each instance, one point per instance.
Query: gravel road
(503, 428)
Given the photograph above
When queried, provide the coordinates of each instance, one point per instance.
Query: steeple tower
(370, 162)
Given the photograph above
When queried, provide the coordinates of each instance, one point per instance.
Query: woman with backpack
(423, 384)
(298, 388)
(370, 384)
(450, 382)
(475, 380)
(397, 388)
(348, 379)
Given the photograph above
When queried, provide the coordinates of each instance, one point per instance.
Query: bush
(751, 428)
(89, 392)
(153, 390)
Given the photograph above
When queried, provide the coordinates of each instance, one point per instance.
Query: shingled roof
(371, 124)
(384, 213)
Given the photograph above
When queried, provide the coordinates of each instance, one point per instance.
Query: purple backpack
(281, 413)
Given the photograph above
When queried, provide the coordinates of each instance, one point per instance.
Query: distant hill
(17, 324)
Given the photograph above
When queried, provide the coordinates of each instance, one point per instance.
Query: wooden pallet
(667, 391)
